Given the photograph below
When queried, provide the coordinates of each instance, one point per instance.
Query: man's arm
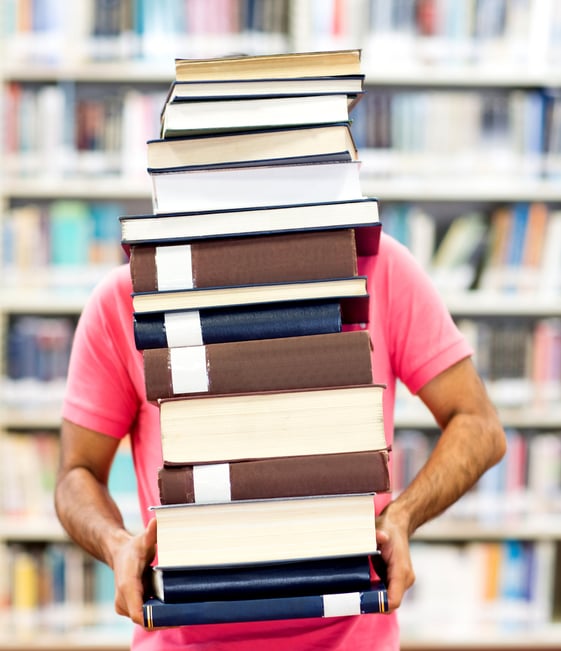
(472, 441)
(93, 520)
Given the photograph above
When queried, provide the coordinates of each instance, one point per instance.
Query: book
(265, 531)
(259, 321)
(194, 190)
(279, 257)
(198, 116)
(278, 144)
(235, 295)
(151, 228)
(335, 359)
(217, 428)
(261, 581)
(314, 474)
(351, 85)
(278, 66)
(159, 614)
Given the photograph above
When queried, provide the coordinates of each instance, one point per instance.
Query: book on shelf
(159, 614)
(280, 144)
(254, 186)
(262, 580)
(335, 359)
(361, 214)
(219, 262)
(266, 66)
(351, 85)
(265, 531)
(313, 474)
(259, 321)
(353, 291)
(216, 428)
(200, 116)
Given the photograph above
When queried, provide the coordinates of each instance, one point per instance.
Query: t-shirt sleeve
(101, 394)
(423, 339)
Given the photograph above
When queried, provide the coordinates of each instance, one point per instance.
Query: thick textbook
(315, 474)
(153, 228)
(352, 290)
(159, 614)
(216, 428)
(198, 116)
(264, 580)
(278, 257)
(263, 531)
(337, 359)
(351, 85)
(260, 321)
(267, 66)
(193, 189)
(245, 146)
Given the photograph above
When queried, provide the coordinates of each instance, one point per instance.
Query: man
(414, 339)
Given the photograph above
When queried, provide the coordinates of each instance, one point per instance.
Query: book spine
(157, 614)
(259, 365)
(161, 330)
(291, 579)
(322, 474)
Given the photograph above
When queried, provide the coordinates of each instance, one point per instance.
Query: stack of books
(250, 315)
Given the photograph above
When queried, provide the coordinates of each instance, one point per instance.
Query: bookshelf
(512, 58)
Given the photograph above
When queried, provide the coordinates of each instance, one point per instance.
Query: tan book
(217, 428)
(338, 359)
(259, 531)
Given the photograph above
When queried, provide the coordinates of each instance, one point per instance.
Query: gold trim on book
(149, 618)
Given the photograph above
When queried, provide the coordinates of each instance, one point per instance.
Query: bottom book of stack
(257, 560)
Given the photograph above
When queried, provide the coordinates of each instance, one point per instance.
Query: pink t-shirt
(414, 339)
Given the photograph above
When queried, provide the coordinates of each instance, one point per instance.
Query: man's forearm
(89, 514)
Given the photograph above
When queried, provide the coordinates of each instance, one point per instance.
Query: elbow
(498, 447)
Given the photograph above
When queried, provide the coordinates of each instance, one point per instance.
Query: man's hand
(130, 561)
(393, 543)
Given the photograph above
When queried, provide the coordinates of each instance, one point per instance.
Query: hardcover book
(336, 359)
(163, 228)
(217, 428)
(158, 614)
(249, 187)
(262, 581)
(284, 143)
(219, 262)
(315, 474)
(264, 531)
(259, 321)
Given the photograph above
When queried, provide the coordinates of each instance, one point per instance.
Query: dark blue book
(158, 614)
(290, 579)
(243, 323)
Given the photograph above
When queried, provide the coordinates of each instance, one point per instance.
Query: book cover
(213, 428)
(244, 260)
(261, 581)
(249, 187)
(336, 359)
(361, 215)
(259, 321)
(351, 290)
(314, 474)
(261, 531)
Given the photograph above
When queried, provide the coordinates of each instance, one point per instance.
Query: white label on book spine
(211, 483)
(183, 329)
(173, 267)
(344, 603)
(188, 369)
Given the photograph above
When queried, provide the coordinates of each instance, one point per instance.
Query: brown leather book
(336, 359)
(271, 258)
(321, 474)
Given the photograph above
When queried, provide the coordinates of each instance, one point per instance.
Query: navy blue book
(290, 579)
(158, 614)
(243, 323)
